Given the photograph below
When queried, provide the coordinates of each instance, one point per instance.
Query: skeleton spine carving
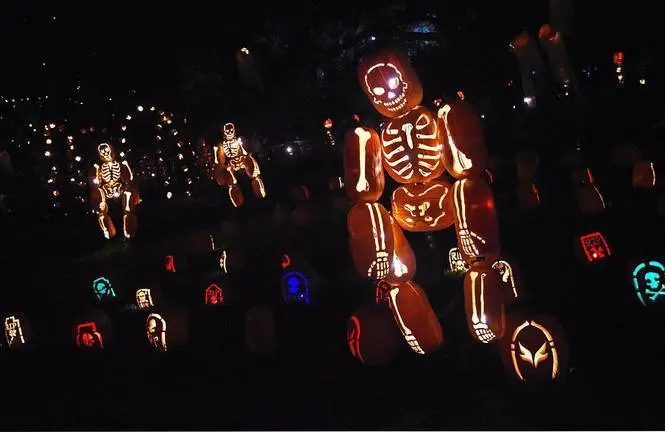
(114, 180)
(231, 157)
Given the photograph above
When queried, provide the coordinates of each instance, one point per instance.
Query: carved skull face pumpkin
(106, 152)
(534, 352)
(229, 131)
(390, 83)
(423, 207)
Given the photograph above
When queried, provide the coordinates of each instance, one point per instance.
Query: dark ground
(313, 382)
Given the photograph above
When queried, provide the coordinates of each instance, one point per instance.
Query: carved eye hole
(378, 91)
(393, 83)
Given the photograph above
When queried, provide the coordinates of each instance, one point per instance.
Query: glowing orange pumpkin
(411, 146)
(461, 132)
(415, 318)
(363, 173)
(476, 222)
(547, 33)
(371, 240)
(372, 336)
(403, 261)
(483, 301)
(390, 82)
(423, 206)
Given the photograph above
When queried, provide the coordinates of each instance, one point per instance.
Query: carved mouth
(397, 104)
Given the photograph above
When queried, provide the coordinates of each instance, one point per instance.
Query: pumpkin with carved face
(534, 348)
(476, 223)
(390, 82)
(415, 318)
(18, 331)
(363, 173)
(371, 335)
(423, 206)
(167, 329)
(461, 132)
(403, 260)
(371, 240)
(411, 145)
(93, 331)
(483, 301)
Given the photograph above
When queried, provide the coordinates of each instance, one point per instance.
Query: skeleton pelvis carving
(371, 239)
(412, 147)
(483, 301)
(423, 207)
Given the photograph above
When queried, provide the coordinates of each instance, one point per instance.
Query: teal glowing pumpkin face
(649, 281)
(103, 288)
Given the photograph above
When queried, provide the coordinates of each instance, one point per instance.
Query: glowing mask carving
(649, 281)
(457, 263)
(105, 152)
(214, 295)
(156, 331)
(229, 131)
(387, 87)
(595, 247)
(102, 288)
(14, 332)
(144, 298)
(87, 336)
(295, 288)
(532, 347)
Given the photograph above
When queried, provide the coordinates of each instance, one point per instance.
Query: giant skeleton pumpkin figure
(112, 180)
(231, 157)
(415, 147)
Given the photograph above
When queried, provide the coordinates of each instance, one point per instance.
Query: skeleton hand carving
(380, 266)
(467, 242)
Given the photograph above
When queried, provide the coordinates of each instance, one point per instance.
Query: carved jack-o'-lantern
(593, 247)
(371, 240)
(423, 207)
(461, 132)
(415, 318)
(390, 82)
(534, 349)
(18, 333)
(382, 291)
(167, 329)
(476, 222)
(148, 297)
(363, 172)
(644, 175)
(260, 335)
(93, 331)
(649, 281)
(299, 283)
(412, 149)
(371, 335)
(456, 261)
(483, 301)
(403, 260)
(213, 295)
(528, 196)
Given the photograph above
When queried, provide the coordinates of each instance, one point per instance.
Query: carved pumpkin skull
(229, 131)
(106, 152)
(387, 86)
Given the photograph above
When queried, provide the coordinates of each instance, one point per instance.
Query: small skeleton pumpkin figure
(231, 157)
(113, 180)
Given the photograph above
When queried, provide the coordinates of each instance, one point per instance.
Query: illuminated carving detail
(406, 332)
(87, 336)
(113, 180)
(595, 247)
(379, 267)
(457, 263)
(102, 288)
(170, 264)
(222, 261)
(214, 295)
(286, 261)
(467, 237)
(295, 288)
(156, 331)
(363, 136)
(144, 298)
(422, 207)
(231, 157)
(382, 291)
(393, 94)
(13, 332)
(353, 338)
(461, 162)
(506, 273)
(478, 317)
(541, 354)
(649, 281)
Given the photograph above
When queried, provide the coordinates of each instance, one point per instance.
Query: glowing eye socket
(393, 83)
(378, 91)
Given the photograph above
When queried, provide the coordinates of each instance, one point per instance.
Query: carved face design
(533, 352)
(87, 336)
(13, 332)
(144, 298)
(457, 263)
(387, 86)
(649, 281)
(156, 330)
(353, 337)
(422, 207)
(214, 295)
(595, 247)
(295, 287)
(106, 153)
(229, 131)
(102, 288)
